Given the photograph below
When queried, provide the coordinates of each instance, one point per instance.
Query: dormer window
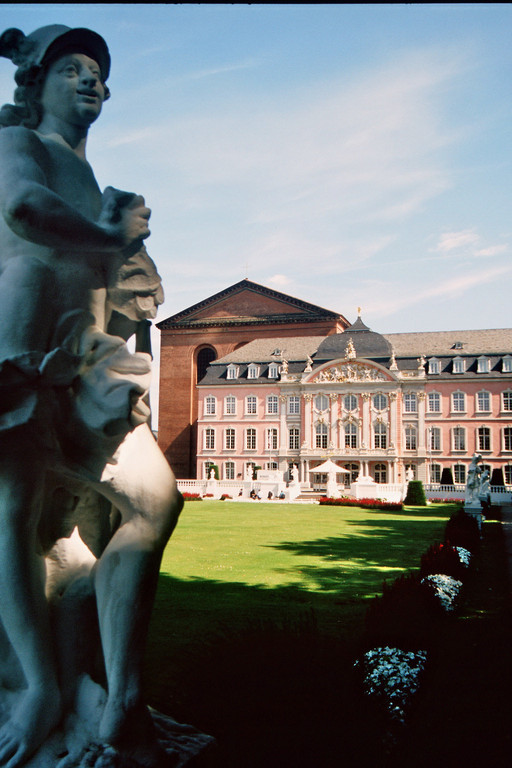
(253, 371)
(458, 345)
(506, 364)
(434, 366)
(483, 365)
(232, 371)
(273, 371)
(459, 365)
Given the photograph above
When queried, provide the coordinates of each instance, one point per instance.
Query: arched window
(380, 402)
(272, 404)
(381, 473)
(321, 402)
(230, 439)
(209, 439)
(230, 405)
(250, 439)
(204, 357)
(350, 403)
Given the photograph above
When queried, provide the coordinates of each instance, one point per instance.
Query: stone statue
(295, 474)
(473, 482)
(87, 500)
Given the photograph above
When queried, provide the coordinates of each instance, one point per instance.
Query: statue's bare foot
(132, 733)
(32, 719)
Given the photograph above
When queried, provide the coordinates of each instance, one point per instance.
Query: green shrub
(462, 531)
(415, 494)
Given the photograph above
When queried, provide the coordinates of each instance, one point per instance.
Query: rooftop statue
(87, 500)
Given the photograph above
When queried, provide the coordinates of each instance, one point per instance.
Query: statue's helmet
(47, 43)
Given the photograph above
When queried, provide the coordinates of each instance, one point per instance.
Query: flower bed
(445, 588)
(191, 496)
(392, 677)
(345, 501)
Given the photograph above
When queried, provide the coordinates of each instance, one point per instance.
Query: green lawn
(249, 595)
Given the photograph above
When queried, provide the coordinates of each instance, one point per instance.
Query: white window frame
(351, 398)
(253, 371)
(294, 439)
(434, 366)
(252, 401)
(506, 364)
(350, 436)
(230, 439)
(209, 439)
(272, 405)
(478, 407)
(435, 475)
(230, 405)
(507, 431)
(506, 401)
(321, 435)
(382, 400)
(483, 364)
(271, 439)
(456, 396)
(434, 439)
(210, 405)
(410, 402)
(251, 436)
(507, 474)
(294, 405)
(273, 371)
(380, 435)
(459, 478)
(483, 436)
(228, 474)
(436, 396)
(321, 398)
(410, 438)
(458, 365)
(232, 371)
(459, 433)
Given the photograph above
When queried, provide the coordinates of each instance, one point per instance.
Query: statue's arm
(36, 213)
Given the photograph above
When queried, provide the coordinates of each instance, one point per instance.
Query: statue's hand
(125, 216)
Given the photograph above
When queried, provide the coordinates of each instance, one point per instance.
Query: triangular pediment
(252, 302)
(356, 371)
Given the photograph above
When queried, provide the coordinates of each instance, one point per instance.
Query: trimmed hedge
(415, 494)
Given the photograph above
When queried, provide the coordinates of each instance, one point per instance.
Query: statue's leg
(142, 486)
(23, 607)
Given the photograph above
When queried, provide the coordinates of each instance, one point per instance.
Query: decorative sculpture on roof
(350, 352)
(82, 482)
(350, 372)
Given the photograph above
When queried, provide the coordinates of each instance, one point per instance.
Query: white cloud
(280, 280)
(451, 241)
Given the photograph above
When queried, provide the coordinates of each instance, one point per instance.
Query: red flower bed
(344, 501)
(191, 496)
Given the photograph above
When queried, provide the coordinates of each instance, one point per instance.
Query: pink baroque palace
(384, 406)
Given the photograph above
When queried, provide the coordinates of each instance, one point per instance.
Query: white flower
(464, 555)
(446, 589)
(392, 675)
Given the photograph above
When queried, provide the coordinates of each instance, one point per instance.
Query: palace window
(483, 365)
(230, 439)
(410, 439)
(293, 405)
(229, 470)
(458, 365)
(380, 434)
(294, 439)
(484, 438)
(209, 439)
(272, 439)
(272, 404)
(251, 404)
(210, 405)
(232, 371)
(459, 474)
(250, 439)
(380, 402)
(273, 371)
(381, 473)
(354, 473)
(350, 436)
(507, 400)
(506, 364)
(458, 402)
(507, 471)
(321, 436)
(230, 405)
(434, 366)
(410, 402)
(459, 438)
(434, 441)
(321, 402)
(435, 473)
(434, 402)
(207, 466)
(253, 371)
(507, 439)
(350, 403)
(483, 401)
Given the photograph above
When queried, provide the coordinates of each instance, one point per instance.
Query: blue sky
(349, 155)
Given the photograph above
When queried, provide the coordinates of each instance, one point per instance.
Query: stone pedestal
(474, 508)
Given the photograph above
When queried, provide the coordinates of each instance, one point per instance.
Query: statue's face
(72, 90)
